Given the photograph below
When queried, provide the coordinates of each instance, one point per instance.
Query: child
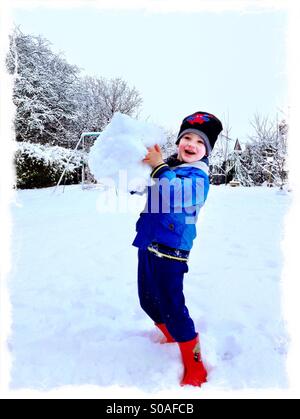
(165, 233)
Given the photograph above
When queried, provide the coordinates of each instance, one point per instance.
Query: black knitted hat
(204, 124)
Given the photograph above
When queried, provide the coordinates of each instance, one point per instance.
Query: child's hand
(154, 156)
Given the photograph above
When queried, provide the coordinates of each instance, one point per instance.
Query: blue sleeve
(187, 190)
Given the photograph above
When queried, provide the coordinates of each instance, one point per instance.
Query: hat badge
(198, 118)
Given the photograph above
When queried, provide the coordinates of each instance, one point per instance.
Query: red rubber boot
(195, 373)
(163, 328)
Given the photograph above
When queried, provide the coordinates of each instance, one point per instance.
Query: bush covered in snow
(39, 166)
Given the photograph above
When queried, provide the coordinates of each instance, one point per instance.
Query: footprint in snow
(229, 349)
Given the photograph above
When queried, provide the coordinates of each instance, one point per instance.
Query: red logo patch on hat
(198, 118)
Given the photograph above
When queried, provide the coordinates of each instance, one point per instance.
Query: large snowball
(117, 154)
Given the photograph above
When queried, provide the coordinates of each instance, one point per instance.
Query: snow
(120, 148)
(75, 311)
(50, 154)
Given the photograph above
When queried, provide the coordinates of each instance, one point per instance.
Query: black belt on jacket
(161, 250)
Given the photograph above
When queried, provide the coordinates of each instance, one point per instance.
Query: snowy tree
(279, 159)
(242, 166)
(169, 147)
(220, 166)
(98, 99)
(268, 151)
(117, 96)
(44, 91)
(262, 159)
(54, 104)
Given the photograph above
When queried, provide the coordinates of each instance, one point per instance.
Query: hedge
(40, 166)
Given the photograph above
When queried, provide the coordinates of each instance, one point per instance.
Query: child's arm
(177, 192)
(187, 190)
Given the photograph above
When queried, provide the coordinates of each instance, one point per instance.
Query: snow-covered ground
(76, 316)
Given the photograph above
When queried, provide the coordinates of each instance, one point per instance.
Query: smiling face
(191, 148)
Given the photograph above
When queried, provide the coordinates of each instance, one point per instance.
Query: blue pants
(160, 289)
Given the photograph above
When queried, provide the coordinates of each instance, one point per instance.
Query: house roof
(224, 147)
(227, 145)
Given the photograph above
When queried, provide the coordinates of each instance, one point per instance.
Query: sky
(230, 63)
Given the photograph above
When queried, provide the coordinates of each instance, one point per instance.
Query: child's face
(191, 148)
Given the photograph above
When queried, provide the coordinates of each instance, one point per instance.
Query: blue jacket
(173, 205)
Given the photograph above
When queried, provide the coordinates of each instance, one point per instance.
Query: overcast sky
(232, 64)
